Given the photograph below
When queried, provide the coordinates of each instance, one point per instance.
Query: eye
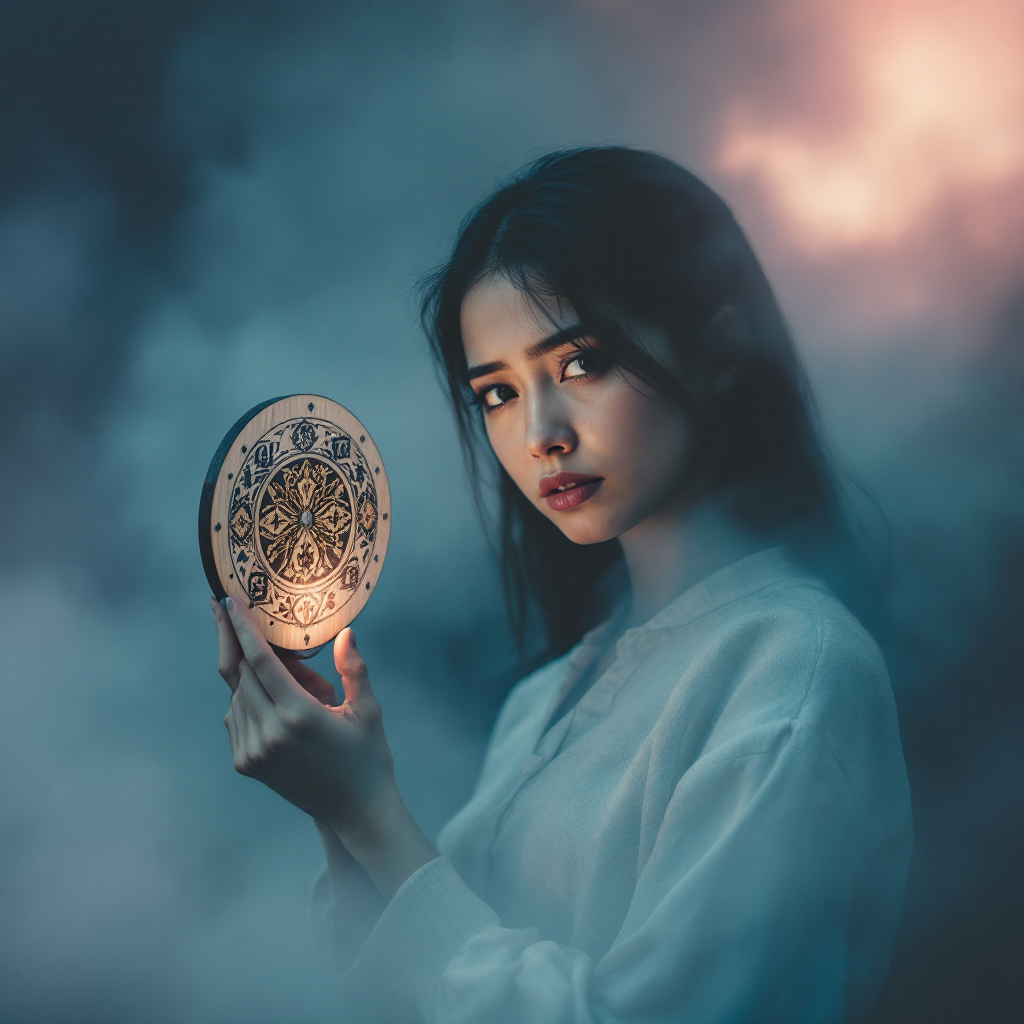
(583, 364)
(497, 395)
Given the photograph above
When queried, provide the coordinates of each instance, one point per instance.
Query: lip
(579, 487)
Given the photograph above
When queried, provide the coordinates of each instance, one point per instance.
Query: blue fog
(205, 206)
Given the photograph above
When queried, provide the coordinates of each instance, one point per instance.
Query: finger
(355, 679)
(258, 704)
(229, 722)
(229, 653)
(237, 731)
(276, 679)
(312, 682)
(251, 730)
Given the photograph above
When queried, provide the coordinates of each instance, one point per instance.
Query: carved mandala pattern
(303, 520)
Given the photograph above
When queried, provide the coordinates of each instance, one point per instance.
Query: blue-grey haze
(203, 205)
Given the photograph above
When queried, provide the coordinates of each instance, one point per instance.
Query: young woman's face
(590, 446)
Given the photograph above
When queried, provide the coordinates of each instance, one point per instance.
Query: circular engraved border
(285, 432)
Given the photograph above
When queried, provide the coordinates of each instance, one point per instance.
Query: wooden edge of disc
(206, 497)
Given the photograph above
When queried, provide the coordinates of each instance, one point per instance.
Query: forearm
(387, 843)
(345, 904)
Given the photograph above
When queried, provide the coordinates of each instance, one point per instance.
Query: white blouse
(718, 831)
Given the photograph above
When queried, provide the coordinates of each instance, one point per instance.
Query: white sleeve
(741, 912)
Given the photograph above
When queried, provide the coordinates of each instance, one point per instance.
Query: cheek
(643, 440)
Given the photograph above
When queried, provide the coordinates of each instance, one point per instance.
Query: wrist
(387, 843)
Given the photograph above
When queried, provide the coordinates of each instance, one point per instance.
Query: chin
(586, 529)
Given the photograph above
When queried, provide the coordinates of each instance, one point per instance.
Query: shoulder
(827, 663)
(793, 657)
(794, 641)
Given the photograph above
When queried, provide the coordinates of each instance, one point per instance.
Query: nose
(549, 429)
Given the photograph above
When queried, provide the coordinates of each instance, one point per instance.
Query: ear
(726, 338)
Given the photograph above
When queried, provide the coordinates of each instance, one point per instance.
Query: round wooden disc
(294, 519)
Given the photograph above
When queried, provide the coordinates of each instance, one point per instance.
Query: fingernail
(229, 605)
(352, 639)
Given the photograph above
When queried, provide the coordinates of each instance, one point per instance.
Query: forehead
(499, 322)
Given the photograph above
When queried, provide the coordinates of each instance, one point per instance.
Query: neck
(669, 552)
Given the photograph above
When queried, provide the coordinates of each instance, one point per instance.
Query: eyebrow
(553, 341)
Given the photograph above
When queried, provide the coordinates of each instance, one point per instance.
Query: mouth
(563, 491)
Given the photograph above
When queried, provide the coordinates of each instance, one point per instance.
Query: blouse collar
(732, 582)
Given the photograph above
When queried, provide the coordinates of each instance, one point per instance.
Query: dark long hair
(624, 234)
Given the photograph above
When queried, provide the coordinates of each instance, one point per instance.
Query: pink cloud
(932, 115)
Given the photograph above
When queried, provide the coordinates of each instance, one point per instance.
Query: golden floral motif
(305, 521)
(367, 515)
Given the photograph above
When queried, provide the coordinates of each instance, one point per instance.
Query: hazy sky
(206, 204)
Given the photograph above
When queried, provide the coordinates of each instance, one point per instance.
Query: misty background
(203, 205)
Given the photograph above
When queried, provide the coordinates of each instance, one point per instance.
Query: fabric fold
(421, 930)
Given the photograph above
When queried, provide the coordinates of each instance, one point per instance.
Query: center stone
(306, 519)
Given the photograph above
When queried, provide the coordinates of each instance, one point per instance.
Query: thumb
(355, 679)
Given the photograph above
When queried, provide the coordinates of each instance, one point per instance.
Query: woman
(700, 812)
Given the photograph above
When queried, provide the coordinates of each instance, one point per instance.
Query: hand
(229, 660)
(332, 761)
